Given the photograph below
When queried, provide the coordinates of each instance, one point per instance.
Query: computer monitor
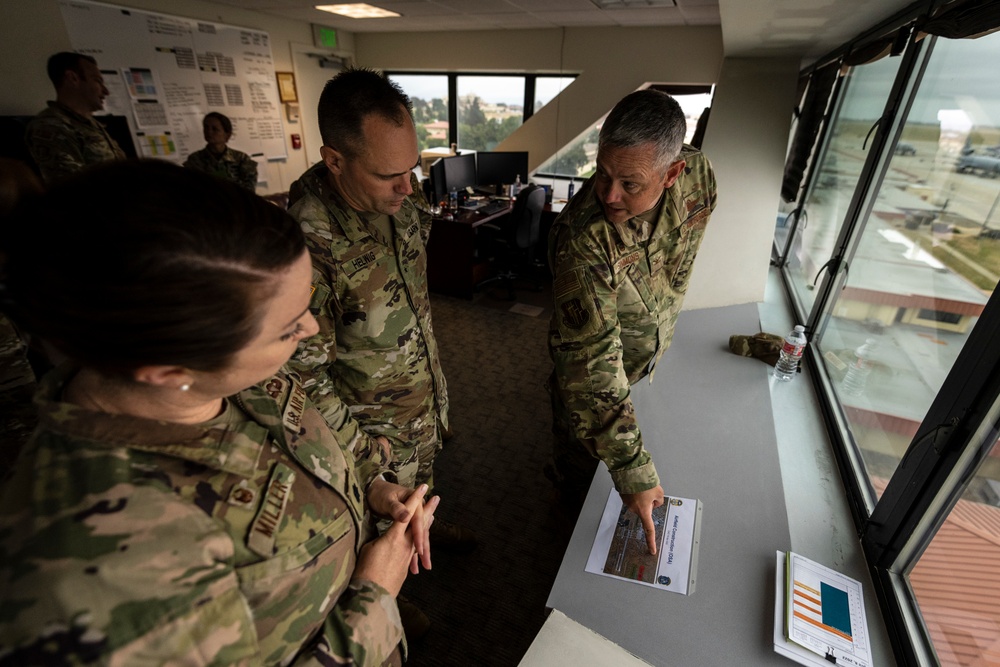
(499, 168)
(459, 172)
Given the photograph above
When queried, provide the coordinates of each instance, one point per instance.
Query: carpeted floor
(487, 607)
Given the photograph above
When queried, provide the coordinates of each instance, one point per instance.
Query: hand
(642, 504)
(387, 559)
(390, 500)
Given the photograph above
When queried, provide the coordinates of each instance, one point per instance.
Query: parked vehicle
(970, 164)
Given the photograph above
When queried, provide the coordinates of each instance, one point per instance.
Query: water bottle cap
(800, 328)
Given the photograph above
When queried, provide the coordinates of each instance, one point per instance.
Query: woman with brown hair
(181, 500)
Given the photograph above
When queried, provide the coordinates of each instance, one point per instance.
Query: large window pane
(840, 164)
(429, 94)
(927, 260)
(489, 109)
(955, 580)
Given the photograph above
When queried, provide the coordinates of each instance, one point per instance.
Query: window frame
(942, 457)
(529, 90)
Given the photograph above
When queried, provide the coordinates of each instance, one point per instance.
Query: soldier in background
(181, 501)
(65, 138)
(621, 253)
(218, 159)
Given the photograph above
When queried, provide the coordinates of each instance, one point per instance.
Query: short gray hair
(646, 117)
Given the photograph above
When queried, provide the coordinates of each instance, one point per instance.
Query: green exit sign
(324, 37)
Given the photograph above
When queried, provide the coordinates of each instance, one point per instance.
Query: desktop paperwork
(708, 423)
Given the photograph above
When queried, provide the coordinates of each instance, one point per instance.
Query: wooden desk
(452, 265)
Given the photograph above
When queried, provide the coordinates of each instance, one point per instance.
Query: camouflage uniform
(618, 289)
(232, 165)
(62, 142)
(373, 369)
(132, 541)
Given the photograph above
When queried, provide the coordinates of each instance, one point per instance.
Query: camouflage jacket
(62, 142)
(130, 541)
(618, 289)
(374, 364)
(232, 165)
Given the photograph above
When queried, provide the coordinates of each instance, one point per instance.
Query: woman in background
(181, 501)
(218, 159)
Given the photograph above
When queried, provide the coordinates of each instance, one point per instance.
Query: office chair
(513, 243)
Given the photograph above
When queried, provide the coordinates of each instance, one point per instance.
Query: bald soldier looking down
(621, 254)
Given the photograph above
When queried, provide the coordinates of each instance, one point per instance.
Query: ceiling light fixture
(632, 4)
(358, 10)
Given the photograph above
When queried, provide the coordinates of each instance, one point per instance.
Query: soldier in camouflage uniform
(621, 253)
(152, 520)
(220, 160)
(65, 138)
(374, 368)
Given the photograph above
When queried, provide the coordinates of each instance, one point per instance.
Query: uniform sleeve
(586, 348)
(106, 568)
(362, 629)
(313, 362)
(56, 149)
(247, 172)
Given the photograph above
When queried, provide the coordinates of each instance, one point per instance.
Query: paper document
(620, 549)
(821, 611)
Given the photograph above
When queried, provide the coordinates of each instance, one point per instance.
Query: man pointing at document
(621, 254)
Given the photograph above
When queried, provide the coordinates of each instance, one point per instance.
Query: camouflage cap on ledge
(764, 346)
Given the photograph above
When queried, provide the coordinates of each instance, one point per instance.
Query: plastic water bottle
(858, 372)
(517, 186)
(572, 186)
(791, 354)
(453, 199)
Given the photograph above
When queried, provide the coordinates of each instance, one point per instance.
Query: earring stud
(184, 387)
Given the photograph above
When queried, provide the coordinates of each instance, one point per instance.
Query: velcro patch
(265, 525)
(574, 315)
(364, 260)
(627, 261)
(292, 419)
(567, 283)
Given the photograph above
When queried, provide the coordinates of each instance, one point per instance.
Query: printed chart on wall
(164, 73)
(620, 549)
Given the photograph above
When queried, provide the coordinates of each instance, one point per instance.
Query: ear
(71, 77)
(333, 159)
(167, 377)
(673, 172)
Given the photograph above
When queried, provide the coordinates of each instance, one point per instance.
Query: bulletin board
(166, 72)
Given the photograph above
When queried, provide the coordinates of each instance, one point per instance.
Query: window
(840, 162)
(489, 109)
(429, 95)
(897, 219)
(546, 89)
(474, 111)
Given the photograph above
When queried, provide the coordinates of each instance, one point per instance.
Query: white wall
(33, 30)
(746, 138)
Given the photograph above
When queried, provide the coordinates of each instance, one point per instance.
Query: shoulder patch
(567, 283)
(574, 315)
